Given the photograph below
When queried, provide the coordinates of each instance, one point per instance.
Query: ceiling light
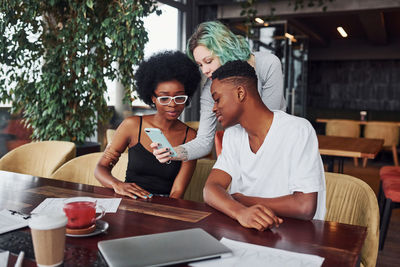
(266, 24)
(259, 20)
(342, 32)
(290, 37)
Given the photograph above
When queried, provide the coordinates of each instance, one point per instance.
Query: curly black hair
(166, 66)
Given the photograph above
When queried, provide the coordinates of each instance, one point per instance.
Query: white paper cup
(48, 236)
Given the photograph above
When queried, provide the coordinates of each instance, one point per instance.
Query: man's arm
(297, 205)
(255, 216)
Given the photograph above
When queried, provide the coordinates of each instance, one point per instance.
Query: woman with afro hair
(165, 81)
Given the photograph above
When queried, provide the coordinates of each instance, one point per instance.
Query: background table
(321, 120)
(340, 147)
(339, 244)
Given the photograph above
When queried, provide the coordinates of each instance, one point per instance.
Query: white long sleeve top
(270, 86)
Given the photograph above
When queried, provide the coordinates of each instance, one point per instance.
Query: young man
(271, 159)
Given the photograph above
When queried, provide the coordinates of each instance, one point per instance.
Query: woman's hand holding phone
(162, 154)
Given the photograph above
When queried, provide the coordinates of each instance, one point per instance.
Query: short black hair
(236, 68)
(166, 66)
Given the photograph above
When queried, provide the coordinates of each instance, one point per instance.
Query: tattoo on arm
(181, 153)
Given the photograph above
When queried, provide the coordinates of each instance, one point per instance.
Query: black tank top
(147, 172)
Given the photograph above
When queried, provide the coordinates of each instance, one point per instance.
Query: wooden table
(321, 120)
(340, 147)
(339, 244)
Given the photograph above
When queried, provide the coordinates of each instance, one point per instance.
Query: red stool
(386, 172)
(389, 198)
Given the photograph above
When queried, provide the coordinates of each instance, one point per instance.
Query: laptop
(162, 249)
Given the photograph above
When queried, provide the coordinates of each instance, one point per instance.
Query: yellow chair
(345, 128)
(38, 158)
(387, 131)
(110, 135)
(193, 124)
(194, 190)
(81, 169)
(352, 201)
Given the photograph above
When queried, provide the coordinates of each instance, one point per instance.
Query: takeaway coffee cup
(48, 236)
(81, 212)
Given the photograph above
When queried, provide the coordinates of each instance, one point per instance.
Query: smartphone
(157, 136)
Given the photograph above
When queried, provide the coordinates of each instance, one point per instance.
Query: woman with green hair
(211, 46)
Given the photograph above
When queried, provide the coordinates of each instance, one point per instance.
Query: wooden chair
(38, 158)
(352, 201)
(387, 131)
(345, 128)
(81, 169)
(194, 190)
(389, 198)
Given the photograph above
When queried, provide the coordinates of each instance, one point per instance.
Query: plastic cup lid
(48, 221)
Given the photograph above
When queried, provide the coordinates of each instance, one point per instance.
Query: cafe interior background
(327, 74)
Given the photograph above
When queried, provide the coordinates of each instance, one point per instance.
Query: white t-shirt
(287, 161)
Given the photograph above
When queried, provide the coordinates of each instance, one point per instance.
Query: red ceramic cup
(81, 212)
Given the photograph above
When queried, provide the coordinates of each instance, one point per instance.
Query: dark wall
(354, 85)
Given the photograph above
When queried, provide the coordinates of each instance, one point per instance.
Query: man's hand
(258, 217)
(131, 190)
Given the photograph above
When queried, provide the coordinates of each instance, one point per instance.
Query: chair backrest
(387, 131)
(194, 190)
(345, 128)
(193, 124)
(218, 142)
(81, 169)
(352, 201)
(38, 158)
(110, 135)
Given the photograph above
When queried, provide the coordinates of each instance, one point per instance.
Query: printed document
(51, 205)
(245, 254)
(11, 220)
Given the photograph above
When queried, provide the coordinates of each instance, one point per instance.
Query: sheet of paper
(4, 258)
(10, 221)
(245, 254)
(51, 205)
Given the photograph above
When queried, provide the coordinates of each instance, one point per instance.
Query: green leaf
(89, 3)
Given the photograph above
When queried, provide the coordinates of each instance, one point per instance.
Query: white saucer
(101, 226)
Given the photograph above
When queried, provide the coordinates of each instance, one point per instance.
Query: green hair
(220, 41)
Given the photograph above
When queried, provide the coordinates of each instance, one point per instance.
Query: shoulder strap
(187, 129)
(140, 129)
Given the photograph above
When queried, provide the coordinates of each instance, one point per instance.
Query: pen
(20, 259)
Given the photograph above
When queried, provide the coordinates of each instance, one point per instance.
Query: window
(163, 33)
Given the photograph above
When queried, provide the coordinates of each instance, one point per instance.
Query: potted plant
(55, 56)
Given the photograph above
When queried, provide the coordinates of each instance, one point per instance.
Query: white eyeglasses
(166, 100)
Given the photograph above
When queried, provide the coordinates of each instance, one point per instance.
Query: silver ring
(168, 162)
